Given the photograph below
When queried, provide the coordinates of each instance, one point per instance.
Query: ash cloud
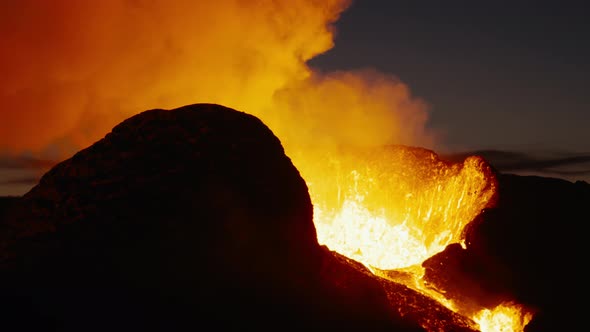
(73, 70)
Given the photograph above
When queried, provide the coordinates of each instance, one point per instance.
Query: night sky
(497, 75)
(508, 80)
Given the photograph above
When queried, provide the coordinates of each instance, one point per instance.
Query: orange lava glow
(399, 198)
(393, 207)
(506, 317)
(71, 71)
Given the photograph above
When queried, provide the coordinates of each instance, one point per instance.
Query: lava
(393, 207)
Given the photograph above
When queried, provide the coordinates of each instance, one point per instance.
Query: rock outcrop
(182, 218)
(527, 249)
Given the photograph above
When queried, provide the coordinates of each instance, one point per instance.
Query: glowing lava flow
(503, 318)
(393, 208)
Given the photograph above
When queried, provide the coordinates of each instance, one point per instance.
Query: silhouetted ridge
(183, 218)
(528, 249)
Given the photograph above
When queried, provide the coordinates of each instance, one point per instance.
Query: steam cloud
(72, 70)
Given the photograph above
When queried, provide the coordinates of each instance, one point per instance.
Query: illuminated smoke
(72, 70)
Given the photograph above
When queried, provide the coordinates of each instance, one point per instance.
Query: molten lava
(505, 317)
(400, 198)
(392, 208)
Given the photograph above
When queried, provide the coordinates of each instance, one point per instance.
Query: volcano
(197, 216)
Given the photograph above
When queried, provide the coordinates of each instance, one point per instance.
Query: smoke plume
(71, 70)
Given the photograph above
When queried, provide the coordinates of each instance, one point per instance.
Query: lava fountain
(401, 198)
(393, 207)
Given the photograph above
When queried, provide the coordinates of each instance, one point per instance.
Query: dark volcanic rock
(470, 281)
(179, 218)
(528, 248)
(356, 285)
(6, 204)
(177, 169)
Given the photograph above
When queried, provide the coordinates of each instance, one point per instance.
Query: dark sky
(497, 75)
